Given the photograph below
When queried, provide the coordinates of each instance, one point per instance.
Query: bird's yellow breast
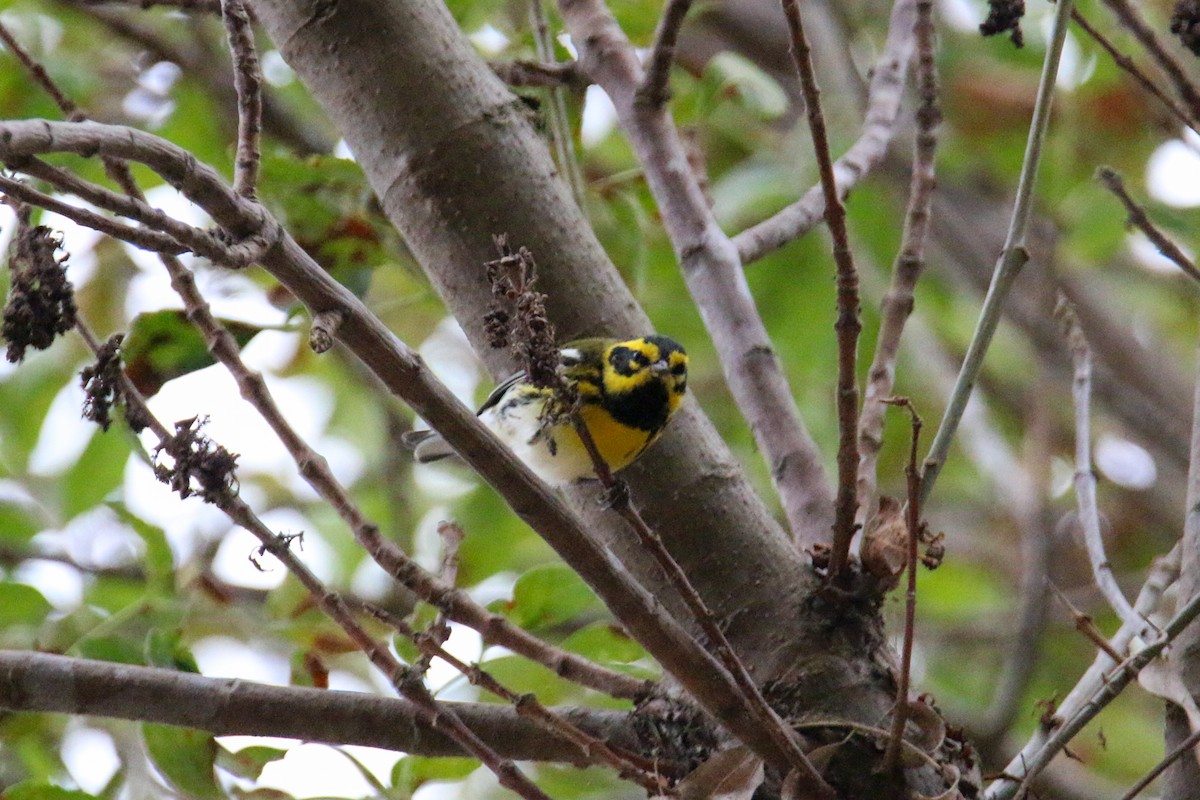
(618, 444)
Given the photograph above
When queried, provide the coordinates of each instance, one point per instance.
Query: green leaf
(248, 762)
(34, 790)
(163, 649)
(21, 604)
(521, 675)
(761, 93)
(185, 757)
(548, 595)
(158, 559)
(18, 523)
(162, 345)
(99, 471)
(411, 772)
(260, 794)
(27, 395)
(604, 642)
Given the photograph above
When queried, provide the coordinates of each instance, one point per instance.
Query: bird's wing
(498, 392)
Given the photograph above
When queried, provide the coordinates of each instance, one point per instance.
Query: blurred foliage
(92, 564)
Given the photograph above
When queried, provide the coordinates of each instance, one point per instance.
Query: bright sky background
(1173, 177)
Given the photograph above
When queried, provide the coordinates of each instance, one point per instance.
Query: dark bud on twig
(200, 465)
(41, 301)
(1185, 23)
(518, 318)
(495, 326)
(1004, 16)
(102, 383)
(935, 549)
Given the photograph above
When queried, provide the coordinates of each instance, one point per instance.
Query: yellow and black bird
(628, 392)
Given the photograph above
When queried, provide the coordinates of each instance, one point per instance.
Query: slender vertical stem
(247, 80)
(560, 124)
(655, 88)
(848, 325)
(1085, 481)
(910, 263)
(1012, 258)
(891, 757)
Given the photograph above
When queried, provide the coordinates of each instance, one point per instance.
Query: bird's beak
(660, 367)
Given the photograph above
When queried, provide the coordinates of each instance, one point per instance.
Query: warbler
(627, 390)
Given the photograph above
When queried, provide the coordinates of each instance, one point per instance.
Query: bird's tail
(427, 446)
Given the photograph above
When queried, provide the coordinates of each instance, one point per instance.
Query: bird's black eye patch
(624, 360)
(679, 370)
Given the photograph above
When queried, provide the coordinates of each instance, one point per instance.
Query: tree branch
(713, 274)
(406, 375)
(1012, 258)
(910, 262)
(1085, 481)
(848, 325)
(144, 238)
(1111, 180)
(247, 82)
(1131, 19)
(655, 88)
(1126, 63)
(43, 682)
(884, 97)
(1163, 572)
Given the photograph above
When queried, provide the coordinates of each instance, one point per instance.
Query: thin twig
(714, 276)
(1085, 480)
(406, 375)
(1126, 63)
(656, 85)
(1183, 747)
(197, 58)
(247, 81)
(537, 73)
(1111, 180)
(910, 262)
(884, 96)
(197, 240)
(436, 715)
(598, 751)
(450, 602)
(1163, 572)
(451, 534)
(1114, 684)
(782, 736)
(1012, 258)
(561, 135)
(39, 74)
(848, 324)
(1086, 625)
(143, 238)
(1131, 19)
(891, 757)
